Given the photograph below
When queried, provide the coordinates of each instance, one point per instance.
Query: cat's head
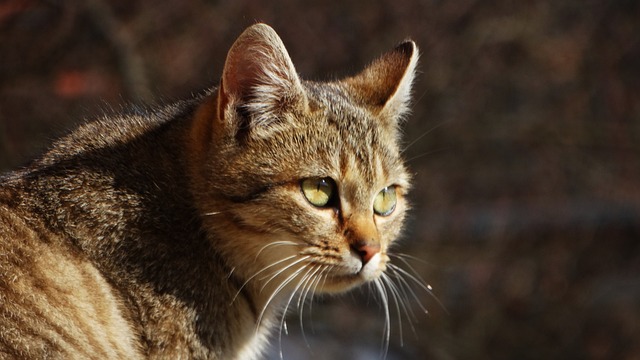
(301, 180)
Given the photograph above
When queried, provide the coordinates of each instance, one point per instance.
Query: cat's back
(53, 302)
(61, 220)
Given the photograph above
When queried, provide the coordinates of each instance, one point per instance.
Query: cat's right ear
(259, 82)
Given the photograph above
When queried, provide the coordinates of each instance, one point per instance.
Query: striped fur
(182, 232)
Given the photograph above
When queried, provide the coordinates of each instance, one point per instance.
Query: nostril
(366, 251)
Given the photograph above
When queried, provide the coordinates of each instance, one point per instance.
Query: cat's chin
(369, 272)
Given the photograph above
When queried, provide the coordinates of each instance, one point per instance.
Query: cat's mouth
(374, 267)
(345, 277)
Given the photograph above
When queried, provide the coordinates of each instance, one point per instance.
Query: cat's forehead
(359, 148)
(333, 102)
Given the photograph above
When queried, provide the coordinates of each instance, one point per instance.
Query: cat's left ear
(385, 85)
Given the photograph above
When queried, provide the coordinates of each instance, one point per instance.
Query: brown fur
(182, 232)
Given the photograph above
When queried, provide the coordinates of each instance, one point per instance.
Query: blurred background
(524, 141)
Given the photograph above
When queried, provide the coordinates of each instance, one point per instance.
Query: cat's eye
(318, 191)
(385, 201)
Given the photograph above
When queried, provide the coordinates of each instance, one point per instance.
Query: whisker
(386, 280)
(423, 135)
(283, 270)
(327, 271)
(305, 289)
(275, 243)
(408, 287)
(404, 286)
(418, 279)
(417, 101)
(280, 287)
(422, 284)
(302, 281)
(400, 275)
(407, 256)
(324, 275)
(387, 323)
(310, 282)
(258, 273)
(415, 276)
(434, 151)
(271, 297)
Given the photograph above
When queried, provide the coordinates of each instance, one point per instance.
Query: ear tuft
(259, 77)
(385, 85)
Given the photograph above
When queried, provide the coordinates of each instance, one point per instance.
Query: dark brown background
(524, 143)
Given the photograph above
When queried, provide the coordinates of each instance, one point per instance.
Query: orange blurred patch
(79, 83)
(11, 8)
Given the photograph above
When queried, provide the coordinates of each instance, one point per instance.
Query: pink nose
(366, 250)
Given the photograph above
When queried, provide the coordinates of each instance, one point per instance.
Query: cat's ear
(385, 85)
(259, 81)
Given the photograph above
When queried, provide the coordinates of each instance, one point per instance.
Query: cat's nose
(366, 250)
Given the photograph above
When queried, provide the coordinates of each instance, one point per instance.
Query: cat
(184, 231)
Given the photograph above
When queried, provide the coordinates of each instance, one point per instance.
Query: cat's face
(308, 176)
(331, 182)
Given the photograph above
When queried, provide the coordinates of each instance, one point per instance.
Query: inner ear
(259, 77)
(385, 85)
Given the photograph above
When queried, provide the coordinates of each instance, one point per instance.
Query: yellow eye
(385, 201)
(319, 191)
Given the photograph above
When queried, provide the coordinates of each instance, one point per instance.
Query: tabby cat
(184, 231)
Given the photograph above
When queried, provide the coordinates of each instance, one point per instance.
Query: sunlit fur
(184, 232)
(345, 130)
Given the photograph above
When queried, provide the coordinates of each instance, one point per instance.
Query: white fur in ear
(259, 76)
(385, 85)
(398, 103)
